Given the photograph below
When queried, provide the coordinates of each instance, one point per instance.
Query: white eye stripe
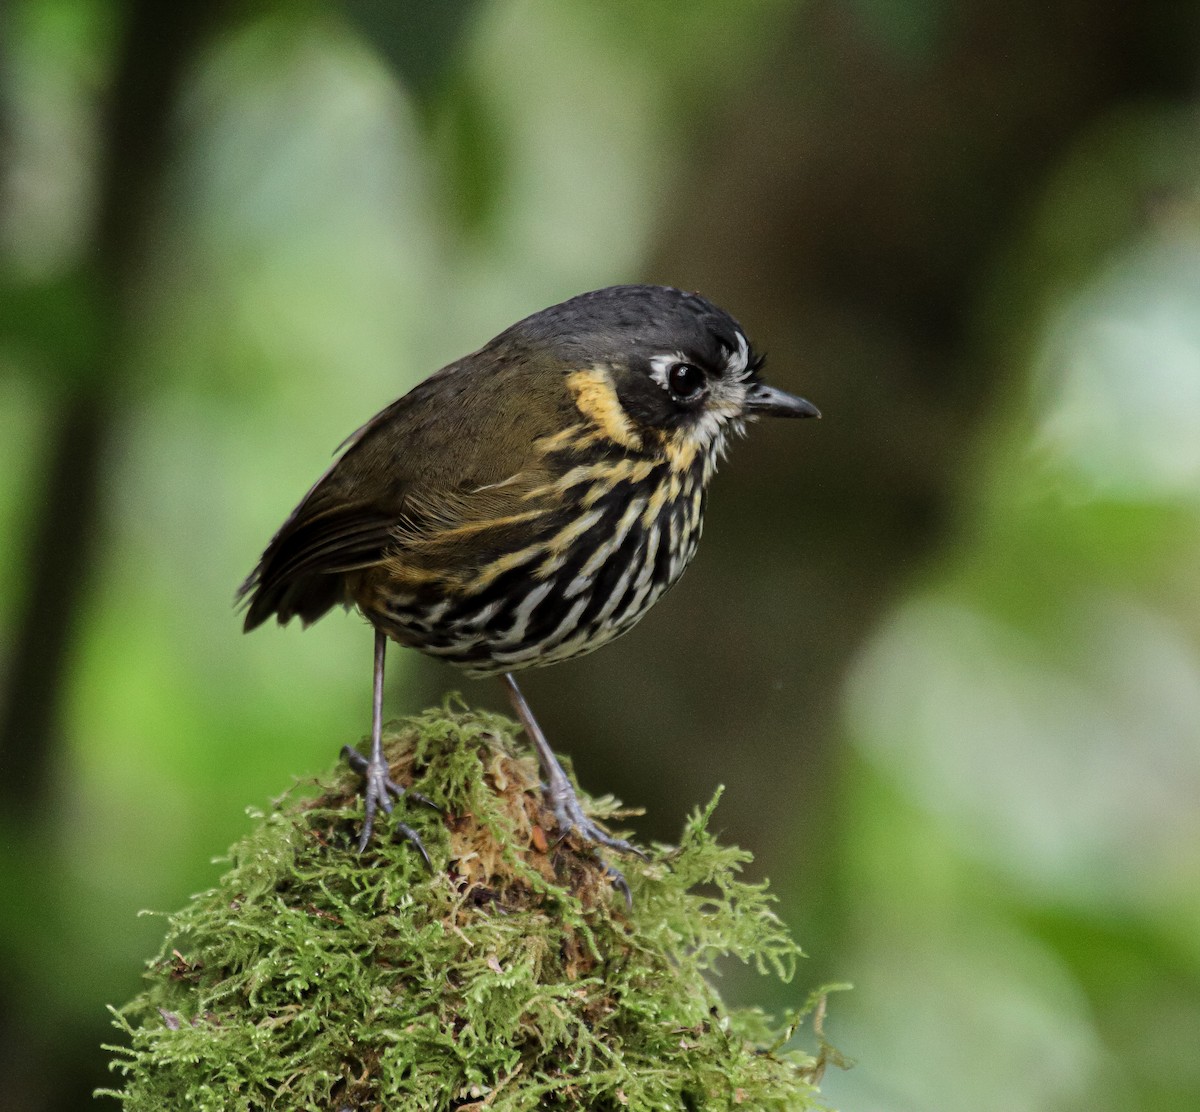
(737, 363)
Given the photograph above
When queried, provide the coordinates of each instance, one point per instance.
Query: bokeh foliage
(944, 649)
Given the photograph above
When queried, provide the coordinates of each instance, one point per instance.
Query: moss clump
(511, 978)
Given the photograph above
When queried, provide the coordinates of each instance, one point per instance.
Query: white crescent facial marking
(660, 366)
(738, 362)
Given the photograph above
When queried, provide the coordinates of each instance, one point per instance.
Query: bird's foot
(380, 792)
(570, 819)
(560, 796)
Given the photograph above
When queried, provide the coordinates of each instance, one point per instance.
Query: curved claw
(380, 792)
(620, 884)
(419, 798)
(570, 819)
(414, 839)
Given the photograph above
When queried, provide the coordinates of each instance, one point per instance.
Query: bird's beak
(764, 400)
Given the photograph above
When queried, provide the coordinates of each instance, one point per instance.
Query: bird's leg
(379, 787)
(560, 795)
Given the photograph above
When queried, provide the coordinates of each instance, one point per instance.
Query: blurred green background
(943, 647)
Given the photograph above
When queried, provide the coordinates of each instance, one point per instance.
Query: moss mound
(512, 978)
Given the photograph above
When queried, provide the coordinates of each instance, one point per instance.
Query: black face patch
(639, 334)
(645, 402)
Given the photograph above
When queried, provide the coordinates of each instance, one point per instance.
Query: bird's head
(657, 370)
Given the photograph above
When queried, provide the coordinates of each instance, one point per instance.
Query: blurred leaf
(1031, 712)
(910, 31)
(472, 156)
(56, 326)
(419, 39)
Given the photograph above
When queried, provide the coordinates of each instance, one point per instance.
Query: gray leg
(379, 789)
(559, 794)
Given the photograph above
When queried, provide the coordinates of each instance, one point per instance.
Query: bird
(525, 504)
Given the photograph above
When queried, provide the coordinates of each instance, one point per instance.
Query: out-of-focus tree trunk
(158, 44)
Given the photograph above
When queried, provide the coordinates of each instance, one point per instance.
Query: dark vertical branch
(159, 43)
(59, 546)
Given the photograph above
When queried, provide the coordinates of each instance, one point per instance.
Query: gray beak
(764, 400)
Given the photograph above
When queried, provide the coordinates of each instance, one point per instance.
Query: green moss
(511, 978)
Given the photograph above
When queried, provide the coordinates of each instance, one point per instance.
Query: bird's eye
(686, 381)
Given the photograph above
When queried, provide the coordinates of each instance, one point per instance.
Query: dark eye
(686, 381)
